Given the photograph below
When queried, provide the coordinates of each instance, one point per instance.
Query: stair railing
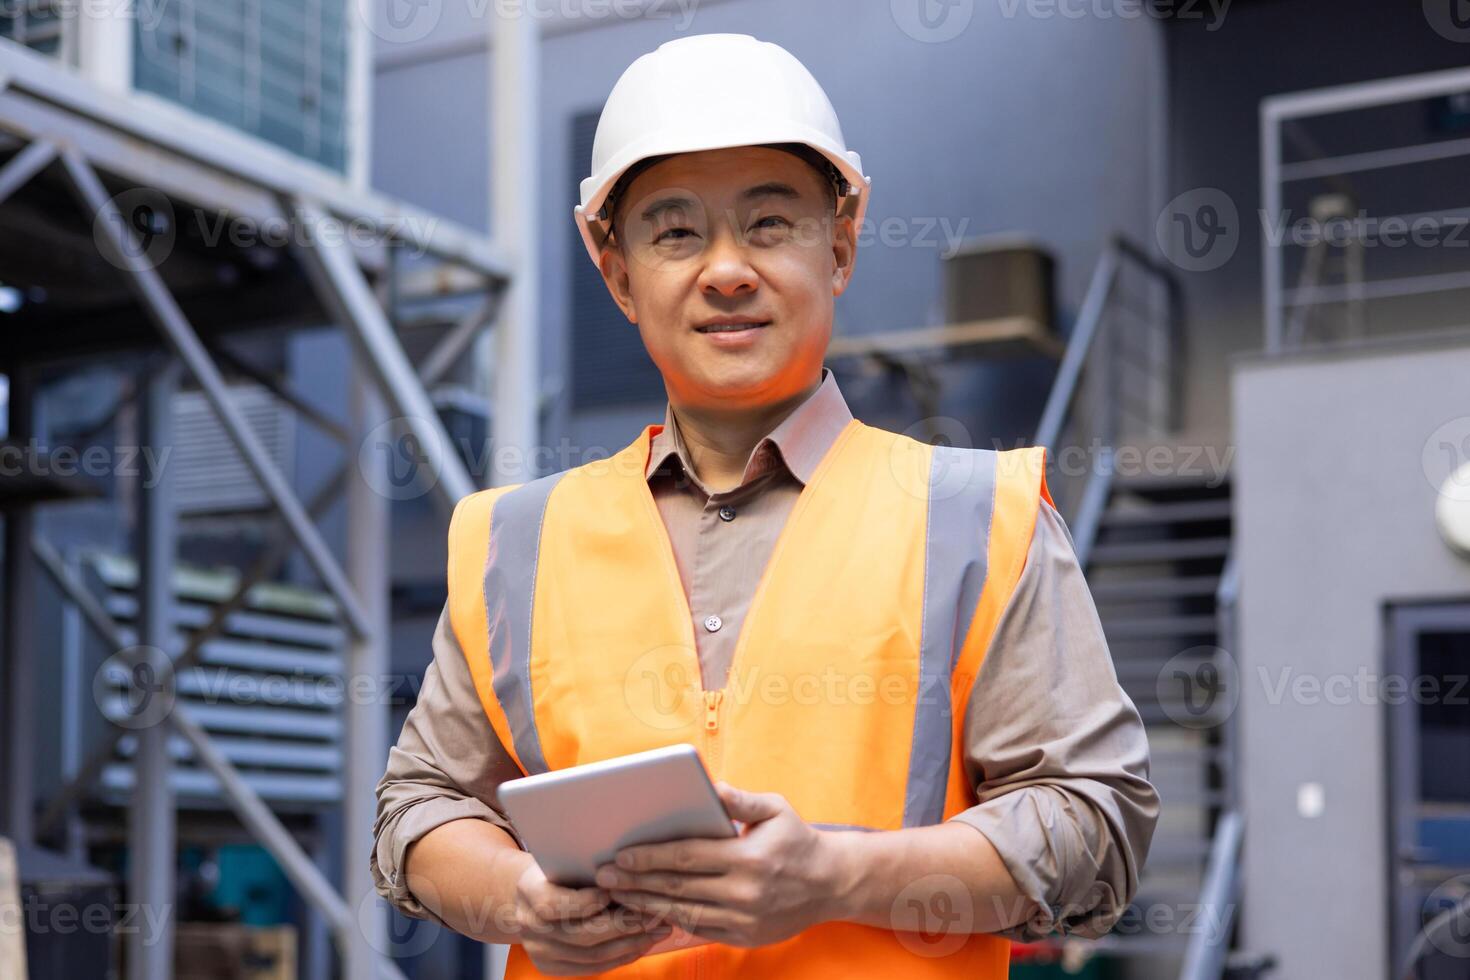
(1098, 321)
(1209, 946)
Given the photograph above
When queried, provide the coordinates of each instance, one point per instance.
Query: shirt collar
(799, 441)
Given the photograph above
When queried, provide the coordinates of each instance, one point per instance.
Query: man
(884, 650)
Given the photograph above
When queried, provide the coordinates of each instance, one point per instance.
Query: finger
(693, 855)
(602, 954)
(750, 807)
(729, 937)
(712, 888)
(687, 915)
(605, 926)
(553, 903)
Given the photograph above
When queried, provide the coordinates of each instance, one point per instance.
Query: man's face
(728, 261)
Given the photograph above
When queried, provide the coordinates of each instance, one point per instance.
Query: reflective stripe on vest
(510, 586)
(961, 495)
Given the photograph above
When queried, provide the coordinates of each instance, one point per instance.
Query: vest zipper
(712, 701)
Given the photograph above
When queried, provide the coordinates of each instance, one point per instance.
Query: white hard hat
(708, 92)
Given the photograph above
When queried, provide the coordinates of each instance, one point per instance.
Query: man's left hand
(777, 878)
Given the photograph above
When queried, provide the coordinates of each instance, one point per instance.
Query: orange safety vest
(867, 629)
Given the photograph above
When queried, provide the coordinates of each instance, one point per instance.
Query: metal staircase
(1155, 542)
(1156, 569)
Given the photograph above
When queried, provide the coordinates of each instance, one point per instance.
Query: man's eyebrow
(771, 188)
(663, 204)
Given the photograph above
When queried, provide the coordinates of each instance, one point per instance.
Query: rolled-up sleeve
(446, 766)
(1057, 751)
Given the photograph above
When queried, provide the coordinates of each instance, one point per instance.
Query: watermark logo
(1447, 914)
(951, 468)
(1450, 19)
(662, 687)
(932, 21)
(1212, 12)
(400, 21)
(134, 687)
(145, 216)
(394, 463)
(394, 935)
(933, 915)
(1446, 459)
(147, 13)
(1199, 230)
(1199, 688)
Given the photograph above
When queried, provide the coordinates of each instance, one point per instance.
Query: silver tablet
(575, 820)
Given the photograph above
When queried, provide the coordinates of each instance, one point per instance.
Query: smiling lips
(731, 324)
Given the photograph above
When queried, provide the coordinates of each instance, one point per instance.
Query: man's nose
(727, 269)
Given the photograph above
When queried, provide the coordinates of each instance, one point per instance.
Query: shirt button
(713, 623)
(727, 513)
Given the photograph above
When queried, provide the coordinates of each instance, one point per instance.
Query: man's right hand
(577, 931)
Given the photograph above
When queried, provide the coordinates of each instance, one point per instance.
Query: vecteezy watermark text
(34, 459)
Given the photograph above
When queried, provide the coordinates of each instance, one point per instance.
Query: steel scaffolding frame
(54, 117)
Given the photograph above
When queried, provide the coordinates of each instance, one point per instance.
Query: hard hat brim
(595, 189)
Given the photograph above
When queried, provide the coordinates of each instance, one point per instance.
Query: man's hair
(830, 175)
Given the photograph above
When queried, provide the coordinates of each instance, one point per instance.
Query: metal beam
(345, 292)
(300, 405)
(515, 172)
(152, 830)
(73, 590)
(1364, 95)
(452, 346)
(1397, 156)
(161, 306)
(1442, 282)
(1273, 261)
(25, 165)
(365, 723)
(17, 736)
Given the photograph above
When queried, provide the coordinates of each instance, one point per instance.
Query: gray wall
(1334, 518)
(1018, 123)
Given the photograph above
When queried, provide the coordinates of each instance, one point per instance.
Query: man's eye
(672, 234)
(771, 221)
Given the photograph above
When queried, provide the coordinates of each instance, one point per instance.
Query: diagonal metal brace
(25, 165)
(161, 306)
(320, 243)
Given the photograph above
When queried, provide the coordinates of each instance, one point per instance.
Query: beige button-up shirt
(1054, 747)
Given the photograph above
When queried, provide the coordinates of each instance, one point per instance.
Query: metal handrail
(1091, 317)
(1227, 598)
(1204, 957)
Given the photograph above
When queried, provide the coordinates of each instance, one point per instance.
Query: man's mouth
(730, 327)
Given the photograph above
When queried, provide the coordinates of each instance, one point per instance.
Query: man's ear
(844, 252)
(614, 268)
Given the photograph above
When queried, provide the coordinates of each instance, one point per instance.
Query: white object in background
(1452, 510)
(1311, 800)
